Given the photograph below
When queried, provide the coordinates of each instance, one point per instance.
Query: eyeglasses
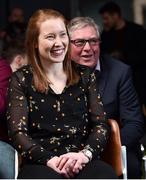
(82, 42)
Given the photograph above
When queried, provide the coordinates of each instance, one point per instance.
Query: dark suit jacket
(120, 99)
(5, 73)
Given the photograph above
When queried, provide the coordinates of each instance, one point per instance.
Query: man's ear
(18, 60)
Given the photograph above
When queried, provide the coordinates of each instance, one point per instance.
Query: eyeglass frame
(85, 41)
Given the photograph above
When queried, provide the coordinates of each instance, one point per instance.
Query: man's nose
(87, 46)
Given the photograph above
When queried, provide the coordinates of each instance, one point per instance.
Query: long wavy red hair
(40, 79)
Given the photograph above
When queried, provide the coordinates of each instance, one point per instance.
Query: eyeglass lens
(82, 42)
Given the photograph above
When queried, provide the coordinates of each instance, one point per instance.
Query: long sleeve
(99, 128)
(17, 118)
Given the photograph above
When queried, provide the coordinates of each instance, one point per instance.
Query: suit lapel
(102, 77)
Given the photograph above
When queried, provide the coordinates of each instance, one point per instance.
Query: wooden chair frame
(113, 151)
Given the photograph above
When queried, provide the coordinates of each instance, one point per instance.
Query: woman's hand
(72, 163)
(53, 163)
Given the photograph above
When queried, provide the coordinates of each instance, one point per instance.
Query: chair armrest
(124, 162)
(113, 153)
(16, 164)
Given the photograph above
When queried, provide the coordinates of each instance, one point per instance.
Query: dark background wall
(70, 8)
(30, 6)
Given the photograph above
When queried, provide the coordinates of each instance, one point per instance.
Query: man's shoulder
(113, 63)
(3, 63)
(132, 26)
(5, 67)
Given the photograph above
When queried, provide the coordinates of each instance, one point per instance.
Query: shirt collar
(98, 65)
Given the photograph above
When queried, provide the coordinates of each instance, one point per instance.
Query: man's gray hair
(82, 22)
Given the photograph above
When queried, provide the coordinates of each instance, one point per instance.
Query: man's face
(17, 15)
(85, 48)
(109, 21)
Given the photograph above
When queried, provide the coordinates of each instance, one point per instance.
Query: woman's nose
(58, 41)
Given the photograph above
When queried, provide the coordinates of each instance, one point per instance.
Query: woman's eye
(63, 35)
(50, 37)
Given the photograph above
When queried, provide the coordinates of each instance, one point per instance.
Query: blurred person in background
(16, 25)
(13, 57)
(5, 74)
(15, 28)
(16, 15)
(6, 151)
(15, 54)
(125, 40)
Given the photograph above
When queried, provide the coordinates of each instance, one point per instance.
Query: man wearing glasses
(115, 86)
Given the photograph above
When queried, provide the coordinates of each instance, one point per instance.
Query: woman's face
(53, 41)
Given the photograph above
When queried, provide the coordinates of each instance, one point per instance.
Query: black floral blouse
(44, 125)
